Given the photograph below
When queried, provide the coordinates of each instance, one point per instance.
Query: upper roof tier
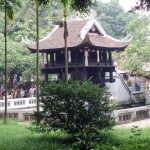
(80, 32)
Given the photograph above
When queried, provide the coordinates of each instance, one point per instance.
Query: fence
(132, 114)
(22, 109)
(18, 103)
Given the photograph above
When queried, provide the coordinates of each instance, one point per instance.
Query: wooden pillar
(69, 56)
(52, 59)
(76, 57)
(98, 58)
(46, 77)
(84, 74)
(102, 78)
(89, 57)
(99, 75)
(60, 76)
(83, 57)
(104, 56)
(86, 54)
(100, 53)
(111, 76)
(63, 74)
(110, 57)
(45, 59)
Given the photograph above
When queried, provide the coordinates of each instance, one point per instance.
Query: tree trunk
(10, 82)
(5, 35)
(37, 58)
(66, 52)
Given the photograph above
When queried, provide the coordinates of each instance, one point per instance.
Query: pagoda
(89, 51)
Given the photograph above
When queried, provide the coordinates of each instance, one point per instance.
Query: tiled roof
(55, 40)
(106, 41)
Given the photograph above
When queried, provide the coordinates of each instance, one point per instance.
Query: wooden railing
(93, 62)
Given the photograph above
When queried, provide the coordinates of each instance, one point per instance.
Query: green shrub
(86, 141)
(129, 83)
(75, 106)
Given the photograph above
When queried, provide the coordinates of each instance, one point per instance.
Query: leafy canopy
(10, 7)
(137, 53)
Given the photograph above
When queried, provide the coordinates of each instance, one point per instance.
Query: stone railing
(19, 103)
(132, 114)
(22, 109)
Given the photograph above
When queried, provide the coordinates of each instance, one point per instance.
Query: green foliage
(20, 138)
(26, 26)
(129, 83)
(75, 106)
(20, 60)
(137, 53)
(87, 141)
(136, 132)
(82, 5)
(113, 18)
(10, 7)
(119, 139)
(40, 2)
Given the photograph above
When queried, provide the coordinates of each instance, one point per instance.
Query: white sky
(126, 4)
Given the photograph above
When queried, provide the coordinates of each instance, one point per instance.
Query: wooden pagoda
(89, 51)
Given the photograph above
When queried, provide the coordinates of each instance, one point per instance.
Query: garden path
(141, 124)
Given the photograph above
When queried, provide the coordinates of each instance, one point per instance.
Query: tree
(75, 107)
(65, 4)
(80, 5)
(20, 62)
(137, 53)
(141, 5)
(113, 18)
(38, 3)
(9, 7)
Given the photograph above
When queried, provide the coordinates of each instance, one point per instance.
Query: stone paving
(141, 124)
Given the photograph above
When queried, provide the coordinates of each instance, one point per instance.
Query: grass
(14, 136)
(17, 137)
(126, 139)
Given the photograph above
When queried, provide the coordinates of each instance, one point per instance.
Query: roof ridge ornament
(89, 25)
(86, 40)
(26, 40)
(127, 39)
(77, 16)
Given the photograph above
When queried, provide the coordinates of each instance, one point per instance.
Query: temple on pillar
(89, 51)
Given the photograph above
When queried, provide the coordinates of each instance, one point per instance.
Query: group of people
(21, 93)
(30, 93)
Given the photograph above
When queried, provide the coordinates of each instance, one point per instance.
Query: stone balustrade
(19, 103)
(22, 109)
(132, 114)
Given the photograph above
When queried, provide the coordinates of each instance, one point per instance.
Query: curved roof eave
(84, 42)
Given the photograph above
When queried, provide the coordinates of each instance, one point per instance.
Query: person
(15, 81)
(8, 96)
(22, 93)
(31, 91)
(35, 91)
